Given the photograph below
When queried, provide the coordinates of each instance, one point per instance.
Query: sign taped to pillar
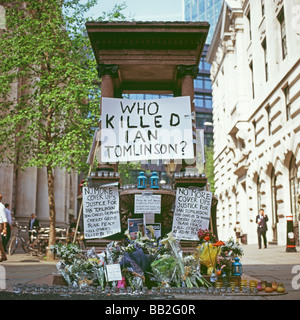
(192, 212)
(147, 204)
(101, 216)
(136, 130)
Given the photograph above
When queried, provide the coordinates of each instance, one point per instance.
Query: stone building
(256, 116)
(27, 193)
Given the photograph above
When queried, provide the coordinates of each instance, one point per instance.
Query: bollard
(290, 235)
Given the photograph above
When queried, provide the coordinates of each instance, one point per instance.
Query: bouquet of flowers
(207, 255)
(229, 250)
(205, 235)
(148, 245)
(173, 269)
(67, 252)
(208, 250)
(77, 269)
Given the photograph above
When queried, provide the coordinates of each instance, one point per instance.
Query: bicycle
(14, 242)
(36, 245)
(38, 241)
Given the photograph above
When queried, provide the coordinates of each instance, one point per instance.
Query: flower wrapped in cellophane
(77, 269)
(208, 250)
(174, 270)
(207, 255)
(164, 269)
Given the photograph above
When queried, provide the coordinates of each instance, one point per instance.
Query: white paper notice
(192, 212)
(101, 215)
(147, 203)
(113, 272)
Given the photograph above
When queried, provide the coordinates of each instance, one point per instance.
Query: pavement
(271, 264)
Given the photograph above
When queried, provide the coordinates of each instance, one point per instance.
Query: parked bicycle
(16, 239)
(38, 241)
(36, 245)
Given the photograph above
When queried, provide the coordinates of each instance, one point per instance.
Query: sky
(145, 10)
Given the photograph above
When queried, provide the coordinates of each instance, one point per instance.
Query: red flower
(207, 238)
(219, 243)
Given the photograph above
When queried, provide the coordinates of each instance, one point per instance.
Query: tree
(209, 156)
(46, 56)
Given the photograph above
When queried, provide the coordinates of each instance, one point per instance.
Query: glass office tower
(203, 10)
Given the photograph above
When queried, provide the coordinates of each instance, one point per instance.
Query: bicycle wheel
(41, 249)
(25, 245)
(37, 248)
(13, 244)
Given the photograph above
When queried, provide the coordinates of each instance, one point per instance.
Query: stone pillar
(26, 189)
(188, 74)
(107, 72)
(60, 196)
(7, 184)
(42, 200)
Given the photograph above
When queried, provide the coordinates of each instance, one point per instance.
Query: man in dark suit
(33, 224)
(261, 220)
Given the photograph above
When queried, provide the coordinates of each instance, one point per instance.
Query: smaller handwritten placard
(113, 272)
(147, 203)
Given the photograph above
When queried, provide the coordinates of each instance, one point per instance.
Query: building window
(281, 20)
(252, 78)
(294, 189)
(187, 12)
(204, 66)
(258, 194)
(201, 118)
(202, 82)
(274, 203)
(264, 46)
(208, 138)
(268, 109)
(203, 101)
(249, 24)
(255, 135)
(286, 92)
(263, 7)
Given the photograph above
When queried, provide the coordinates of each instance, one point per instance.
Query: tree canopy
(49, 103)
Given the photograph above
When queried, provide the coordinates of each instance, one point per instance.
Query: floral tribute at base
(146, 262)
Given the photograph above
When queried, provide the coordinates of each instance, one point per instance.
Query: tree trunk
(52, 222)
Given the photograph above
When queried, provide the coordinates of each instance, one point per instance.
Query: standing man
(261, 220)
(33, 226)
(3, 229)
(5, 239)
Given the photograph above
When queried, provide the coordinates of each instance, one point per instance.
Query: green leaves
(209, 155)
(46, 77)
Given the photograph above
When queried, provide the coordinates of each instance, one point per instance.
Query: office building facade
(255, 80)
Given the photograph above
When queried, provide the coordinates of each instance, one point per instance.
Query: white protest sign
(113, 272)
(101, 217)
(136, 130)
(192, 212)
(147, 203)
